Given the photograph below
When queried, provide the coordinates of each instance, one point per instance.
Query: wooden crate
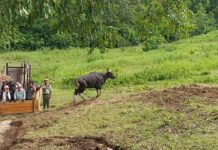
(19, 107)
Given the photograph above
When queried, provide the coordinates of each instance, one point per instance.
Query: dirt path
(4, 127)
(13, 138)
(12, 133)
(66, 143)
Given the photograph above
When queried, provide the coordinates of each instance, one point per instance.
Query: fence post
(6, 68)
(33, 105)
(30, 72)
(24, 70)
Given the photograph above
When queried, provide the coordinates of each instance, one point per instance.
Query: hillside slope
(187, 61)
(141, 109)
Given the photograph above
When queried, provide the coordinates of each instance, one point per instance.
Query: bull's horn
(109, 70)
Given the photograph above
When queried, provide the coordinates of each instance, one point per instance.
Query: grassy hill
(187, 61)
(170, 118)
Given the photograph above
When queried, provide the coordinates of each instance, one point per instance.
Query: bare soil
(177, 98)
(13, 139)
(14, 134)
(66, 143)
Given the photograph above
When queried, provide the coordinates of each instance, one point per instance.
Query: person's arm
(43, 88)
(3, 97)
(9, 95)
(50, 89)
(24, 94)
(34, 88)
(15, 93)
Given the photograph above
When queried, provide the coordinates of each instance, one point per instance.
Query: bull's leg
(74, 96)
(78, 92)
(81, 95)
(74, 99)
(98, 92)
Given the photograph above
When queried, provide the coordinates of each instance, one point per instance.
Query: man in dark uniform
(47, 90)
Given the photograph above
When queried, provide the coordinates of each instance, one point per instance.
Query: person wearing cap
(47, 90)
(6, 96)
(20, 93)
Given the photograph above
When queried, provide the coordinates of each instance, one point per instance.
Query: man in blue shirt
(20, 93)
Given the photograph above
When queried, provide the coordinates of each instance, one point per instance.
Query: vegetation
(124, 119)
(123, 33)
(194, 60)
(26, 24)
(137, 125)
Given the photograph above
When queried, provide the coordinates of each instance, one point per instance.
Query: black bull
(92, 80)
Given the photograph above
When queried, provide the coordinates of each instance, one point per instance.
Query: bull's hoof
(97, 96)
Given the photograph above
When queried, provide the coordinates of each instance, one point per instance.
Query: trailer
(21, 74)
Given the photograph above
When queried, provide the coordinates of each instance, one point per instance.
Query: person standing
(6, 96)
(20, 93)
(12, 89)
(31, 91)
(47, 90)
(2, 89)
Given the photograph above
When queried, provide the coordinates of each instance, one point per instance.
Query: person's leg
(48, 100)
(44, 102)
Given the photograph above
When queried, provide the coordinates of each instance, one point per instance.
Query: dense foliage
(28, 24)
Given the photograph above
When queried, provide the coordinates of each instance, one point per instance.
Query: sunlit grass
(180, 60)
(126, 121)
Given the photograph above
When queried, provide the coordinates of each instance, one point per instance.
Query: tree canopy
(33, 24)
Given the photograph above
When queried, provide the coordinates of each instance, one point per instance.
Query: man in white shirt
(6, 96)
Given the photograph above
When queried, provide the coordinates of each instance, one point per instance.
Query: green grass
(117, 116)
(194, 60)
(137, 125)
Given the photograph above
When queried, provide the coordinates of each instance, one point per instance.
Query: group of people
(11, 92)
(15, 92)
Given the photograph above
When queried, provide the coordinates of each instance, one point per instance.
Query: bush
(152, 43)
(28, 42)
(37, 36)
(129, 35)
(61, 41)
(204, 22)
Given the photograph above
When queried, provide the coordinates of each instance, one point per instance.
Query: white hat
(19, 85)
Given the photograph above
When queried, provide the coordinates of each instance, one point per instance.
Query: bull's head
(110, 74)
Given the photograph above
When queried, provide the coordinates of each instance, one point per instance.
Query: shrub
(129, 35)
(60, 40)
(37, 36)
(152, 43)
